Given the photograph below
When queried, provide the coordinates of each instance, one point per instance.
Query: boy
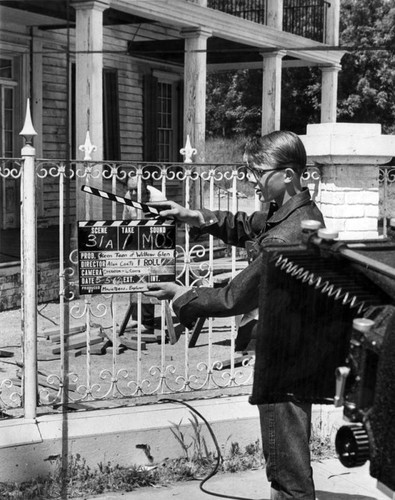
(274, 165)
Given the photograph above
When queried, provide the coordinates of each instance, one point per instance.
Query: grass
(321, 447)
(78, 479)
(222, 150)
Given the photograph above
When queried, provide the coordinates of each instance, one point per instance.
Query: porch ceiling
(55, 13)
(184, 14)
(234, 40)
(219, 51)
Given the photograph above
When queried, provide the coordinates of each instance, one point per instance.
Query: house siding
(55, 93)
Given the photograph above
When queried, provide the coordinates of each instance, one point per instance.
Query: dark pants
(285, 431)
(147, 314)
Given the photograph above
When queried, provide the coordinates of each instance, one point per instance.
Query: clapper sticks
(120, 199)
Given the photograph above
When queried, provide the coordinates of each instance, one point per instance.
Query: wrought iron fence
(306, 18)
(387, 196)
(252, 10)
(81, 356)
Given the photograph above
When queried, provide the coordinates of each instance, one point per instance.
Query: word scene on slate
(123, 256)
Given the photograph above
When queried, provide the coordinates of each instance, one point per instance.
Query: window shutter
(150, 141)
(111, 143)
(180, 120)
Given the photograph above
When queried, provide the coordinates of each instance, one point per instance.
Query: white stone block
(343, 211)
(362, 197)
(372, 211)
(361, 224)
(332, 197)
(358, 235)
(352, 211)
(335, 224)
(328, 210)
(339, 128)
(348, 144)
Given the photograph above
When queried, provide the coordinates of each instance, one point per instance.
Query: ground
(159, 368)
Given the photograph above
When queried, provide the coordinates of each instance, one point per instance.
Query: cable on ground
(218, 450)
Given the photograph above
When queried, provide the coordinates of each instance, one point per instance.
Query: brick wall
(10, 284)
(349, 156)
(349, 200)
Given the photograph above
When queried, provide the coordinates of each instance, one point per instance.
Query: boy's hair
(277, 150)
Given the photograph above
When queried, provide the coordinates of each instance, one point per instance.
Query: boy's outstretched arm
(172, 210)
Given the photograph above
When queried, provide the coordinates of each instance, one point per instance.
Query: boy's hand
(172, 210)
(162, 291)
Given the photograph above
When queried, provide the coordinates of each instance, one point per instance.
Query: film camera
(365, 383)
(366, 389)
(329, 314)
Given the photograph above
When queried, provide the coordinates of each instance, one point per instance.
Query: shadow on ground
(326, 495)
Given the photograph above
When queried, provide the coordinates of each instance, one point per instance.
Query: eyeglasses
(258, 172)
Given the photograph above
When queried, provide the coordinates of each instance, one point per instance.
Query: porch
(117, 46)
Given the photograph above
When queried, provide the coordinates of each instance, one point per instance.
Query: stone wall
(349, 156)
(349, 198)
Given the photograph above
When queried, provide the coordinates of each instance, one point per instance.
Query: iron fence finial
(87, 147)
(188, 151)
(28, 131)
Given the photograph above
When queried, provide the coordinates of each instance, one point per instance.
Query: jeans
(285, 431)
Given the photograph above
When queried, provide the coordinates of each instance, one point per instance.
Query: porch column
(89, 92)
(332, 23)
(271, 91)
(329, 80)
(195, 70)
(348, 156)
(274, 15)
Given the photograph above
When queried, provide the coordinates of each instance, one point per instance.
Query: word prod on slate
(123, 256)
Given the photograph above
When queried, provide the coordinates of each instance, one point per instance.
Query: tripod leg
(196, 332)
(169, 323)
(126, 319)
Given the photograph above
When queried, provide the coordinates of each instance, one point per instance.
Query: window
(7, 108)
(6, 68)
(163, 98)
(9, 187)
(165, 121)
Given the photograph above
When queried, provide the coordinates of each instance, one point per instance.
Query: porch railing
(252, 10)
(306, 18)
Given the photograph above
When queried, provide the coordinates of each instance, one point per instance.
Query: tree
(366, 81)
(234, 103)
(301, 98)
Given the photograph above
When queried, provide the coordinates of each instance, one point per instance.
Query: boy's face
(269, 183)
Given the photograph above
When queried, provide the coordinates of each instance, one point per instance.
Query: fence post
(29, 269)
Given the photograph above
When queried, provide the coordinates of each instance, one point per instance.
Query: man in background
(148, 194)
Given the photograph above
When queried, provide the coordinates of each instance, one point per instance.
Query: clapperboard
(120, 256)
